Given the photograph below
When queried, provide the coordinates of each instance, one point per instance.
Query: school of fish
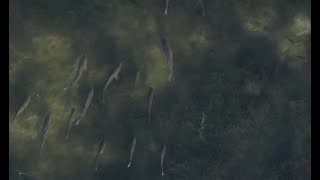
(82, 68)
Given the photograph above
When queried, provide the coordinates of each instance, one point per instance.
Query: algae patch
(259, 22)
(253, 87)
(23, 128)
(294, 51)
(52, 47)
(157, 70)
(54, 54)
(301, 25)
(198, 39)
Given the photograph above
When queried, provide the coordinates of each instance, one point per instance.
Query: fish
(289, 39)
(22, 174)
(168, 53)
(82, 67)
(166, 10)
(163, 152)
(22, 108)
(202, 126)
(203, 119)
(202, 6)
(150, 100)
(134, 141)
(44, 130)
(99, 153)
(300, 57)
(137, 79)
(71, 120)
(88, 102)
(114, 75)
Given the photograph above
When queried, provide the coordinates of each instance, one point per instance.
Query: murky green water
(245, 65)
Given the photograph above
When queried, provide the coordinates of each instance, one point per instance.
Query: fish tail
(74, 83)
(14, 117)
(96, 164)
(162, 174)
(67, 136)
(69, 128)
(129, 164)
(41, 147)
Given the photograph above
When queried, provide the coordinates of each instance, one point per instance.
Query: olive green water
(245, 65)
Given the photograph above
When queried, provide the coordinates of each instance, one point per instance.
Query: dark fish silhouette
(22, 108)
(163, 152)
(300, 57)
(168, 53)
(82, 67)
(44, 130)
(202, 126)
(71, 121)
(150, 100)
(114, 75)
(137, 79)
(88, 102)
(135, 82)
(99, 153)
(132, 150)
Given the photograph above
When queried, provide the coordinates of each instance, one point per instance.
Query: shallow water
(245, 64)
